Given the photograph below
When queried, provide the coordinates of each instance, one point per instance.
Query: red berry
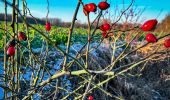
(48, 26)
(105, 27)
(149, 25)
(11, 51)
(167, 43)
(91, 7)
(22, 36)
(90, 98)
(151, 38)
(104, 34)
(103, 5)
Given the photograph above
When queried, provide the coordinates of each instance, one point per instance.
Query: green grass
(57, 34)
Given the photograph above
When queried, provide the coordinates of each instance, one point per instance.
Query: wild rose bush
(76, 78)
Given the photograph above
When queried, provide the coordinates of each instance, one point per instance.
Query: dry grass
(150, 48)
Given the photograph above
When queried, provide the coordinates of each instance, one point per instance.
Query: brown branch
(70, 35)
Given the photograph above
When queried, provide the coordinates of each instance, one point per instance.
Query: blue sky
(64, 9)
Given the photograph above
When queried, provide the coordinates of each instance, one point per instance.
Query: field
(58, 34)
(103, 59)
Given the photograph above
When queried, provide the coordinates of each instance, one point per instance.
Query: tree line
(42, 21)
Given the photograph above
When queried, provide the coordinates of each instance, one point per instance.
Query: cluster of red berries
(150, 37)
(12, 43)
(91, 7)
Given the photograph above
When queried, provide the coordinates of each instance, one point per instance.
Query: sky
(64, 9)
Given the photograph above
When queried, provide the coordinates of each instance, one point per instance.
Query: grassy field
(57, 34)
